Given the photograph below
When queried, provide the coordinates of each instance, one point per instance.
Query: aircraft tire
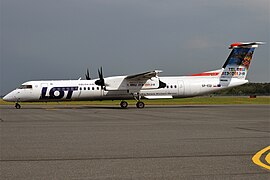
(17, 106)
(124, 104)
(140, 104)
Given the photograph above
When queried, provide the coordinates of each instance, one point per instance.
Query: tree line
(258, 89)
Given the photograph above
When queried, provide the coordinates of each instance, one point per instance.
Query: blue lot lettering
(60, 94)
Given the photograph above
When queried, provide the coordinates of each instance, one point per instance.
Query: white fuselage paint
(177, 87)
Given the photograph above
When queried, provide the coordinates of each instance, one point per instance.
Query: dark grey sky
(59, 39)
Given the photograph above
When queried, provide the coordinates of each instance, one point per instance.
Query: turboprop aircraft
(146, 85)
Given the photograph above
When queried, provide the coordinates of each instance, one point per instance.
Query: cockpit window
(25, 87)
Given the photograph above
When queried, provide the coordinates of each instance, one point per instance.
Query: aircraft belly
(117, 95)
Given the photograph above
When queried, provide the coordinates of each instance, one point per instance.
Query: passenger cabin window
(25, 87)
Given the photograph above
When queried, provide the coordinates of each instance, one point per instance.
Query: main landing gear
(17, 105)
(139, 103)
(124, 104)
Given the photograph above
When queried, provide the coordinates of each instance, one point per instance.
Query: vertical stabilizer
(238, 62)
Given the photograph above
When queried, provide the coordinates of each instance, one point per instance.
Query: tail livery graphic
(239, 60)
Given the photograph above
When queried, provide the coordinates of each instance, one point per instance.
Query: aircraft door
(181, 88)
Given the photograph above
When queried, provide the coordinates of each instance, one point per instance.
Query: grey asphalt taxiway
(157, 142)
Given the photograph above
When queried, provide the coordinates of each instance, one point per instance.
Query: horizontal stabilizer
(245, 44)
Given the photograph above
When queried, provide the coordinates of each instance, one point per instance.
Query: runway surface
(157, 142)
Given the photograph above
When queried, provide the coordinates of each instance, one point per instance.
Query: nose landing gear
(17, 105)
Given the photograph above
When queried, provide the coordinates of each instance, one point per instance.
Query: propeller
(100, 81)
(87, 75)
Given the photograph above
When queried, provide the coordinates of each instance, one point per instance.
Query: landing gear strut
(17, 105)
(124, 104)
(139, 103)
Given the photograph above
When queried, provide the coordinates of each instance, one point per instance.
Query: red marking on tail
(206, 74)
(235, 44)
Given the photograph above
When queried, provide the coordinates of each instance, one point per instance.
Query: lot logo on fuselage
(58, 92)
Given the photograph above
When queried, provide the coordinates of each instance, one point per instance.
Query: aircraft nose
(9, 98)
(5, 98)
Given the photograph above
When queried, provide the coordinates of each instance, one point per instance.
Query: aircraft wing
(144, 75)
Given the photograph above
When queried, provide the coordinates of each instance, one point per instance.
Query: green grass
(183, 101)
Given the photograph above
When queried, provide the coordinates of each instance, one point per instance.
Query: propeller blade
(100, 81)
(101, 72)
(87, 75)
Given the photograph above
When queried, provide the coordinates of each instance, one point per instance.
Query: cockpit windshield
(25, 87)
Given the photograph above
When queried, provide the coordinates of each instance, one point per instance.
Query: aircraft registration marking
(258, 157)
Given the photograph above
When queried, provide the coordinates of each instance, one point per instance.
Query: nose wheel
(17, 106)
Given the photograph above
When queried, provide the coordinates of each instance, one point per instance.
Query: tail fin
(238, 62)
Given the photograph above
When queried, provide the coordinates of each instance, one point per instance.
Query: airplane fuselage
(72, 90)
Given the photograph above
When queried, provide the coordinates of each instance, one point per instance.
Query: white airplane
(147, 85)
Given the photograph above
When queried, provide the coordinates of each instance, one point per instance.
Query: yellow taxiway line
(257, 156)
